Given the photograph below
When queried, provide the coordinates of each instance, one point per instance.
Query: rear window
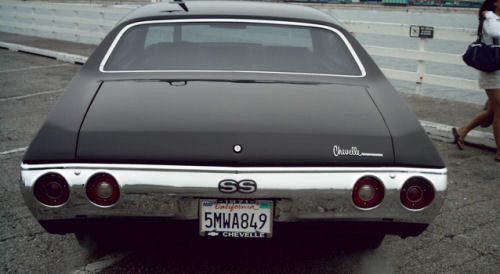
(232, 46)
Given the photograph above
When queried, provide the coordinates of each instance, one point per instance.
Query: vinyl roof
(230, 8)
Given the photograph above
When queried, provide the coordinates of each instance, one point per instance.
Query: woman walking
(489, 32)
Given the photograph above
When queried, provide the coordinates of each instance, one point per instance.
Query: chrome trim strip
(236, 170)
(372, 154)
(344, 39)
(267, 177)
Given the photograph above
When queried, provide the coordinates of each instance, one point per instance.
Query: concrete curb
(61, 56)
(442, 132)
(436, 131)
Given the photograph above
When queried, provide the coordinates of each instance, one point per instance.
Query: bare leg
(494, 99)
(475, 122)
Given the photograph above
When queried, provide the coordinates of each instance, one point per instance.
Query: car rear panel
(200, 122)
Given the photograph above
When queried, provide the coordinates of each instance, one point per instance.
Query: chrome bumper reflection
(173, 191)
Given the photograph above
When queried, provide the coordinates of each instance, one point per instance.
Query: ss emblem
(232, 186)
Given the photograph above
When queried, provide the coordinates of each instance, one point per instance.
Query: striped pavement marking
(16, 150)
(31, 95)
(33, 68)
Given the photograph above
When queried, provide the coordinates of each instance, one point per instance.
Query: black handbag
(483, 57)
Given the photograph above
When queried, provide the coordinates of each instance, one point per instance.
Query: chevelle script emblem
(232, 186)
(352, 151)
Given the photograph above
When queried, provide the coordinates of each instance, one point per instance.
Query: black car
(237, 118)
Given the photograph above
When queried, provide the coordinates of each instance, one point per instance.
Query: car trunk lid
(201, 122)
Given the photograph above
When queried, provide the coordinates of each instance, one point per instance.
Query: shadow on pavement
(157, 254)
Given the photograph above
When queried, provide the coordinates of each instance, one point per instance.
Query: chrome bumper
(300, 194)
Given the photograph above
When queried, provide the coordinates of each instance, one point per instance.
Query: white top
(491, 27)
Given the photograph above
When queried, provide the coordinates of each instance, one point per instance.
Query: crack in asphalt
(475, 203)
(465, 262)
(465, 230)
(31, 236)
(9, 156)
(420, 263)
(478, 226)
(427, 245)
(482, 253)
(417, 262)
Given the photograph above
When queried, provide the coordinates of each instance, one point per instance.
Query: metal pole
(53, 23)
(33, 20)
(16, 19)
(101, 26)
(77, 26)
(421, 67)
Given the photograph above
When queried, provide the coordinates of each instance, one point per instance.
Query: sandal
(460, 143)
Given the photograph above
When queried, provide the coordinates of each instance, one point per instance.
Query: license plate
(236, 218)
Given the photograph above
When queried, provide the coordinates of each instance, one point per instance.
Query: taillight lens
(51, 189)
(417, 193)
(368, 192)
(103, 189)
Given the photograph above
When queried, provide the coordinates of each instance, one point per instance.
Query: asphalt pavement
(464, 238)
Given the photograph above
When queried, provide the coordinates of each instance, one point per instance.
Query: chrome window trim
(277, 22)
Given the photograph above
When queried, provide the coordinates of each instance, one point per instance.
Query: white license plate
(236, 218)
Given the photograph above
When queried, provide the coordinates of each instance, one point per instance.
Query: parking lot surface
(464, 238)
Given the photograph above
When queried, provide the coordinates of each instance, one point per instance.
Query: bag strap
(479, 32)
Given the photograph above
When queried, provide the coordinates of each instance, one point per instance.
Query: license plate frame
(226, 218)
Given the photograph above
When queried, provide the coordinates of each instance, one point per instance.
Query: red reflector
(368, 192)
(417, 193)
(103, 189)
(51, 189)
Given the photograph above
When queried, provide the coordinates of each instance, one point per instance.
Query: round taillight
(51, 189)
(368, 192)
(417, 193)
(103, 189)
